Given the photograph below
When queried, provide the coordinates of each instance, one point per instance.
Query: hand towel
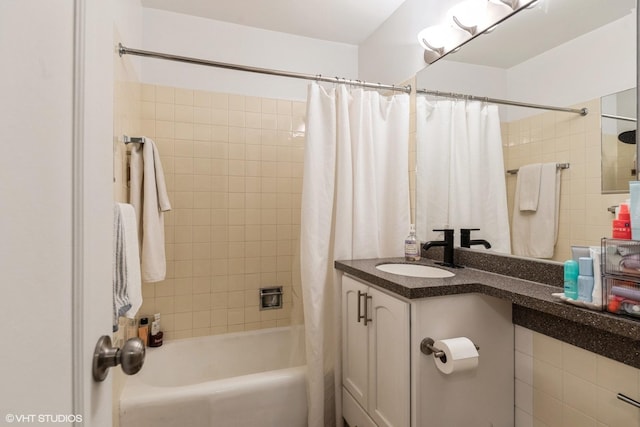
(529, 186)
(121, 303)
(134, 281)
(148, 195)
(534, 234)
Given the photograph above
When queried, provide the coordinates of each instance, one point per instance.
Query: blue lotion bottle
(571, 279)
(585, 279)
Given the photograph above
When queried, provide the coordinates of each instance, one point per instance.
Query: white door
(56, 205)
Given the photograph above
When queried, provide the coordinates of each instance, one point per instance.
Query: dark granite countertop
(534, 307)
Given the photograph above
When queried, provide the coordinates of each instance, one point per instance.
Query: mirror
(567, 53)
(618, 140)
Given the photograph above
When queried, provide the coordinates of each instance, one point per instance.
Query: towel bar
(628, 400)
(133, 139)
(559, 166)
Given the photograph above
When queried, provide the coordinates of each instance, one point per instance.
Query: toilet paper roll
(460, 355)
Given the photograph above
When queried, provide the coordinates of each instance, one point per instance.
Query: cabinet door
(389, 382)
(355, 341)
(353, 413)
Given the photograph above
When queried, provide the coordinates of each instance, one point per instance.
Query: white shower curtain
(355, 204)
(460, 171)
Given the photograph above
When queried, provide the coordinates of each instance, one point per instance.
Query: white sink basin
(415, 270)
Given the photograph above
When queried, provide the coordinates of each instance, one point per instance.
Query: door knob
(105, 356)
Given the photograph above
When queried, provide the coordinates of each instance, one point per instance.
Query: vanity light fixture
(470, 15)
(439, 39)
(465, 20)
(513, 4)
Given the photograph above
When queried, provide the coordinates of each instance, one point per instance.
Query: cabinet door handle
(360, 317)
(366, 308)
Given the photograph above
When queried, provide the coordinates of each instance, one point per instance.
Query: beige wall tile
(614, 412)
(617, 377)
(580, 394)
(165, 94)
(547, 378)
(183, 96)
(575, 418)
(547, 409)
(581, 391)
(547, 349)
(229, 164)
(579, 362)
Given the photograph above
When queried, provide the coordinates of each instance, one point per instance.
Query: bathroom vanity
(388, 381)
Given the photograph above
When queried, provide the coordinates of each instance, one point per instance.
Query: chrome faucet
(447, 243)
(465, 239)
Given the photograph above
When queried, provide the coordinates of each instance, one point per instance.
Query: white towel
(134, 281)
(127, 289)
(535, 233)
(148, 195)
(529, 186)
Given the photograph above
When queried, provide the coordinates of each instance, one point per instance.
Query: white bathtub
(240, 379)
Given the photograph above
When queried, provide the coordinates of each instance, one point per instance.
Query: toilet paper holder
(426, 347)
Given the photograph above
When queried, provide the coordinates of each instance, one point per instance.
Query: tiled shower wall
(565, 138)
(233, 166)
(560, 385)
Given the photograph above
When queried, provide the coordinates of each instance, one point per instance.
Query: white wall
(128, 31)
(598, 63)
(190, 36)
(392, 53)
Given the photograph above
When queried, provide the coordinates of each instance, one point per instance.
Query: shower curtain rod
(123, 50)
(613, 116)
(581, 111)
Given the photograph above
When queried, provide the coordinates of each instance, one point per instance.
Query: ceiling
(344, 21)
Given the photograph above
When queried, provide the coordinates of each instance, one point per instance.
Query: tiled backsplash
(560, 385)
(565, 137)
(233, 167)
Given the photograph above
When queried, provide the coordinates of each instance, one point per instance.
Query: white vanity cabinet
(375, 357)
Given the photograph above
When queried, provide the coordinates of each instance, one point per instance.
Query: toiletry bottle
(622, 224)
(155, 339)
(571, 279)
(411, 245)
(143, 330)
(585, 279)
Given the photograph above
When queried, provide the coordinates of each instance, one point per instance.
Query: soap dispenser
(411, 245)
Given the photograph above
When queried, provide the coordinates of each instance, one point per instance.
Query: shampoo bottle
(143, 330)
(571, 279)
(155, 339)
(411, 245)
(622, 224)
